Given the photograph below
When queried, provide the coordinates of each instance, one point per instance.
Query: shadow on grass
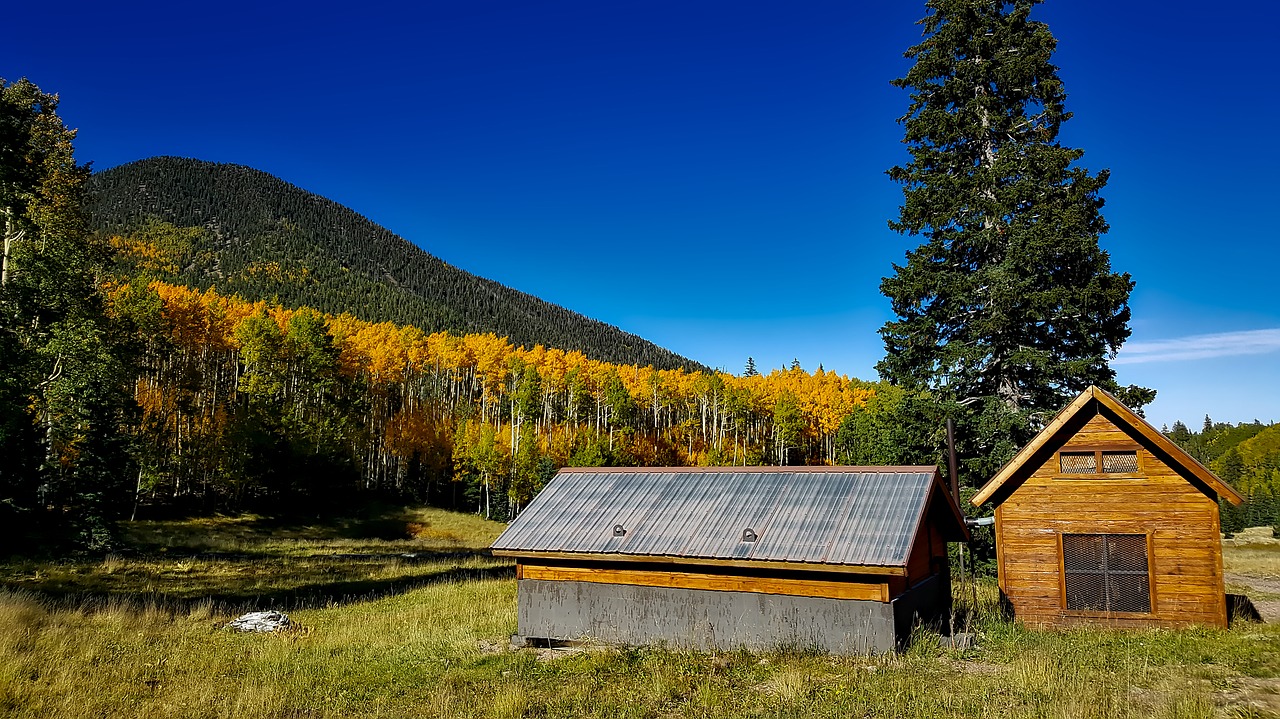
(233, 600)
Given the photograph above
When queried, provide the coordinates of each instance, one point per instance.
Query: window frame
(1097, 450)
(1091, 613)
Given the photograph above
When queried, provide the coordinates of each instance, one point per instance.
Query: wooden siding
(876, 591)
(1180, 520)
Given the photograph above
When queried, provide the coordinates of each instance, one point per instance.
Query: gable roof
(1127, 416)
(844, 516)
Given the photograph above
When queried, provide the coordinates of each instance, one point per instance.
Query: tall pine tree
(1009, 307)
(64, 377)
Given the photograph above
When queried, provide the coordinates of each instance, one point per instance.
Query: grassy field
(402, 615)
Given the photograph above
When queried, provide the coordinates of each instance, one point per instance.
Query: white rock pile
(260, 622)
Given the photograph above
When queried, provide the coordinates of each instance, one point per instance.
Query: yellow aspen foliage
(411, 394)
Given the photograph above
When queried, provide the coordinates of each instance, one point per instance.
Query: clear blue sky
(709, 175)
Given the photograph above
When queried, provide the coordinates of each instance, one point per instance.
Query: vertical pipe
(951, 460)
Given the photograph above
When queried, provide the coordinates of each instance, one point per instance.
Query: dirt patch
(552, 654)
(487, 647)
(1261, 585)
(1258, 697)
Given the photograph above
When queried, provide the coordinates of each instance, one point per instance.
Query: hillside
(245, 232)
(1246, 456)
(1253, 465)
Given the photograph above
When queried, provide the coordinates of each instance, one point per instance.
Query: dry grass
(1253, 552)
(438, 648)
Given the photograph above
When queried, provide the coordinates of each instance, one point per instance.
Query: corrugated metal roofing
(837, 515)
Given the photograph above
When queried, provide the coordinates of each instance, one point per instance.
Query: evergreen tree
(751, 370)
(64, 397)
(1009, 308)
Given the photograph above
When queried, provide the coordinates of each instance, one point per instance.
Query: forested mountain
(247, 233)
(1247, 456)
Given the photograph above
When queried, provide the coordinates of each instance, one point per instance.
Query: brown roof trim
(910, 469)
(1176, 453)
(1179, 455)
(893, 571)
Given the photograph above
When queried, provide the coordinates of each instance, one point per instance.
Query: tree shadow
(234, 600)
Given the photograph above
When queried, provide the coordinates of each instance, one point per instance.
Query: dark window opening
(1106, 572)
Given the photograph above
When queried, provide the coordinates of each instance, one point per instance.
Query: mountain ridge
(244, 231)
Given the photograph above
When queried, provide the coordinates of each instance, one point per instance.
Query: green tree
(895, 427)
(64, 397)
(1009, 308)
(788, 425)
(262, 359)
(623, 411)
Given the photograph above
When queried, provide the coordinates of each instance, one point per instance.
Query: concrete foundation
(707, 620)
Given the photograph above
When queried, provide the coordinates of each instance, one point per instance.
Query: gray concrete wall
(701, 619)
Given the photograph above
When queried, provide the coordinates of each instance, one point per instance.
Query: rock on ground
(260, 622)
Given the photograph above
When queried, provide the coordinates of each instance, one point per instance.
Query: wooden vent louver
(1106, 572)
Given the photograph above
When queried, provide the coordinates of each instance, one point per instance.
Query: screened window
(1119, 462)
(1106, 572)
(1098, 462)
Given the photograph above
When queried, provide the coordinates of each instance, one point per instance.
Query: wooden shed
(840, 559)
(1102, 519)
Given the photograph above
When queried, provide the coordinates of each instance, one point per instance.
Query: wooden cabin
(839, 559)
(1102, 519)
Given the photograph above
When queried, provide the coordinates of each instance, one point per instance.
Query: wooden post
(951, 461)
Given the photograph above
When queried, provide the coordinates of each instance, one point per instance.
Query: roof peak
(1104, 398)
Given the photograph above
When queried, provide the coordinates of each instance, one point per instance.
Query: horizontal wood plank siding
(713, 582)
(1185, 552)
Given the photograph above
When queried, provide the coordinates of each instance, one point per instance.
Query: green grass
(133, 636)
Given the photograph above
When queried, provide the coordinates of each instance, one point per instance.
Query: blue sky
(709, 175)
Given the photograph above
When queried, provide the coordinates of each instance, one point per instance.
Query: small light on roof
(619, 530)
(748, 535)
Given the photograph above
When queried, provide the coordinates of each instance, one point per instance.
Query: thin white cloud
(1194, 347)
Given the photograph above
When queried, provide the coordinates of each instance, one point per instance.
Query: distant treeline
(1247, 456)
(246, 405)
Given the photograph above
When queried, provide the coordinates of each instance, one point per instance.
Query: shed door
(1106, 573)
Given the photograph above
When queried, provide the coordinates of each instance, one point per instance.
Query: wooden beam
(1176, 453)
(877, 591)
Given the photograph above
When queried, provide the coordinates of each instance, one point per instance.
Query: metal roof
(860, 516)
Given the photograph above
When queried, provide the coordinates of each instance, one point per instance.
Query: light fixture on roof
(748, 535)
(619, 530)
